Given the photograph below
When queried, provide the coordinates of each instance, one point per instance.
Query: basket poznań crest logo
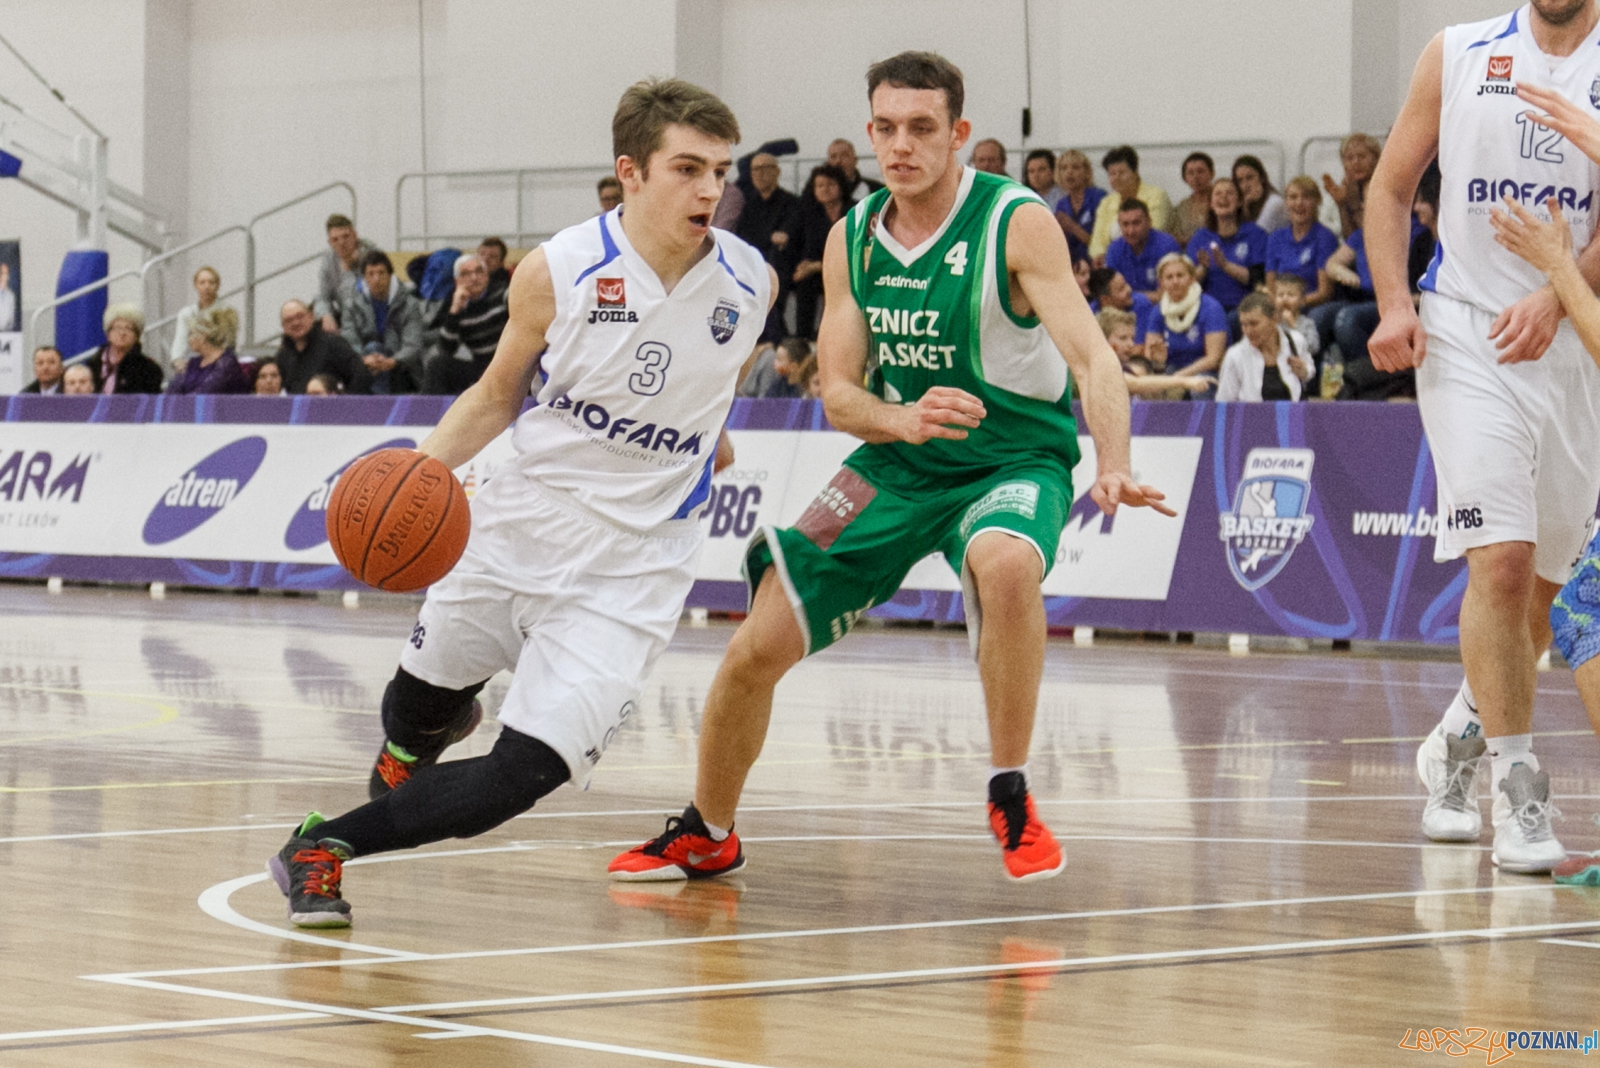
(1268, 521)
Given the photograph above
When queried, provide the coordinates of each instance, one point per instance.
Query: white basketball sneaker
(1523, 840)
(1448, 767)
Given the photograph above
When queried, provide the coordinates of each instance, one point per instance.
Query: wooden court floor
(1246, 885)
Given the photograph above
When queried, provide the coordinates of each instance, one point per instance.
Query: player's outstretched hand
(1399, 343)
(1114, 488)
(942, 412)
(1523, 332)
(1564, 117)
(1545, 245)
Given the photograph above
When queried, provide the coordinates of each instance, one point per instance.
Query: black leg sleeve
(416, 714)
(456, 799)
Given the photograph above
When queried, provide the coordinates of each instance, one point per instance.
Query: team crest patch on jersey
(1268, 521)
(1499, 69)
(724, 320)
(1594, 92)
(611, 292)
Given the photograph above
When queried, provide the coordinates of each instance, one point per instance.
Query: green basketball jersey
(940, 315)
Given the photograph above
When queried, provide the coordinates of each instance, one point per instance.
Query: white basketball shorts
(576, 608)
(1516, 448)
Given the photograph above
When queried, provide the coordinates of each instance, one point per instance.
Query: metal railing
(1322, 144)
(257, 278)
(518, 177)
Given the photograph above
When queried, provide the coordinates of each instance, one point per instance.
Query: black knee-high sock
(457, 799)
(416, 714)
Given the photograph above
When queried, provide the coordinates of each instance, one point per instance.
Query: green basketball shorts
(854, 544)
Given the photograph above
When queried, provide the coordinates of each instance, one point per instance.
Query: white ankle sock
(1002, 771)
(1461, 718)
(717, 833)
(1506, 750)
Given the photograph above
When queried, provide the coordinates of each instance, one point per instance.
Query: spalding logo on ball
(398, 520)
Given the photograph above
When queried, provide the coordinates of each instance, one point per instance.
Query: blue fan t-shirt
(1084, 217)
(1189, 346)
(1305, 257)
(1358, 242)
(1139, 268)
(1247, 248)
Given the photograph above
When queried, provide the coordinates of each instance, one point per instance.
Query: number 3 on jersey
(652, 375)
(957, 258)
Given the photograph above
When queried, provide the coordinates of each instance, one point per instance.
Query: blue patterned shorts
(1575, 615)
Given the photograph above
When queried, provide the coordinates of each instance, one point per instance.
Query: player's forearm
(1387, 222)
(1577, 297)
(476, 418)
(1105, 407)
(854, 411)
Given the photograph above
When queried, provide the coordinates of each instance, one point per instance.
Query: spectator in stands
(729, 208)
(1039, 172)
(269, 379)
(46, 371)
(1120, 328)
(810, 383)
(1189, 216)
(383, 322)
(1108, 289)
(1269, 363)
(207, 284)
(309, 350)
(1082, 269)
(1425, 231)
(609, 189)
(338, 270)
(120, 365)
(842, 154)
(8, 300)
(1122, 173)
(1230, 251)
(822, 205)
(78, 380)
(470, 332)
(324, 385)
(1359, 153)
(776, 371)
(1080, 198)
(1137, 253)
(492, 251)
(769, 221)
(1261, 203)
(989, 156)
(1303, 248)
(1288, 293)
(213, 368)
(1191, 331)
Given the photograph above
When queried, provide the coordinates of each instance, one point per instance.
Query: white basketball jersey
(639, 382)
(1488, 149)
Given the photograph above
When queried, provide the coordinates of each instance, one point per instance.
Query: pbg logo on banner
(1269, 520)
(204, 490)
(308, 528)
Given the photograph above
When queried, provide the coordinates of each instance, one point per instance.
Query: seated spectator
(338, 270)
(1190, 213)
(1355, 325)
(207, 284)
(77, 380)
(1120, 329)
(609, 189)
(1260, 202)
(1230, 251)
(213, 368)
(1080, 199)
(989, 156)
(1108, 289)
(120, 365)
(308, 350)
(470, 331)
(269, 379)
(776, 371)
(492, 251)
(1140, 249)
(822, 204)
(729, 208)
(1082, 270)
(842, 154)
(1269, 363)
(769, 221)
(1288, 293)
(1303, 248)
(1122, 173)
(383, 322)
(1191, 331)
(324, 385)
(1039, 173)
(1359, 153)
(810, 384)
(46, 371)
(1425, 226)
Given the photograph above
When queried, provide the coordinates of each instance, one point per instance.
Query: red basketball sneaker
(1027, 846)
(685, 850)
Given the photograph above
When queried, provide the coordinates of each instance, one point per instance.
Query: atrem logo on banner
(309, 527)
(204, 490)
(1269, 520)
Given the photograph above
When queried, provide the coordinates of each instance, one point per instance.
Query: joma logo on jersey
(1489, 191)
(903, 321)
(1499, 68)
(631, 431)
(21, 472)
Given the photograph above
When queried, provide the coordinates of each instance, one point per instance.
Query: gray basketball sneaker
(308, 872)
(1523, 840)
(1448, 766)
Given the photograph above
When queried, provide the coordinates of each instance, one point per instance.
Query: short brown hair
(920, 70)
(647, 108)
(610, 181)
(338, 222)
(1259, 303)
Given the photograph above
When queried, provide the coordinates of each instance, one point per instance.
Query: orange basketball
(398, 520)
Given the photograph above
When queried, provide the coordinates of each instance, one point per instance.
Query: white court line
(860, 978)
(1569, 942)
(170, 1025)
(214, 903)
(462, 1030)
(822, 932)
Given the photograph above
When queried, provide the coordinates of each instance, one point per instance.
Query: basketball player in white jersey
(584, 547)
(1508, 396)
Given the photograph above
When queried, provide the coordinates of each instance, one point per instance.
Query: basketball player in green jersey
(951, 294)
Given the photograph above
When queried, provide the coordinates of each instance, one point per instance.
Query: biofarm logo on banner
(1268, 521)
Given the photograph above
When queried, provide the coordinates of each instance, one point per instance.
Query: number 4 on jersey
(957, 258)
